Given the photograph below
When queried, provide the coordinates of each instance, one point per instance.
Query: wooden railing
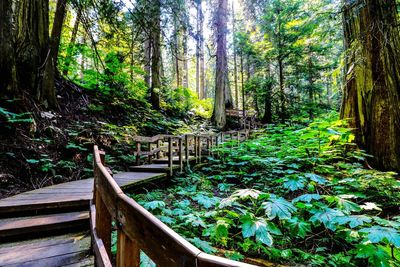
(182, 147)
(137, 229)
(247, 118)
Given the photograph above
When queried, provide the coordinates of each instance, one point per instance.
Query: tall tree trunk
(72, 41)
(8, 71)
(235, 76)
(267, 118)
(156, 55)
(48, 92)
(200, 72)
(176, 53)
(243, 88)
(219, 116)
(282, 96)
(372, 89)
(310, 87)
(34, 63)
(185, 81)
(147, 60)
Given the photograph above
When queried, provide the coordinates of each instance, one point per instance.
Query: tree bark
(8, 71)
(219, 116)
(235, 75)
(156, 55)
(200, 72)
(48, 91)
(372, 89)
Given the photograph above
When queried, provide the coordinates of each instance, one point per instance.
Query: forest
(314, 85)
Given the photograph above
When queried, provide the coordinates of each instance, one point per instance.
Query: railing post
(180, 154)
(128, 252)
(170, 156)
(138, 153)
(200, 148)
(195, 147)
(103, 223)
(187, 149)
(209, 145)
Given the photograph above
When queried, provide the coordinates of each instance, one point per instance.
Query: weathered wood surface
(72, 249)
(43, 223)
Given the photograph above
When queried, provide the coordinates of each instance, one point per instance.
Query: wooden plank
(43, 223)
(27, 205)
(88, 261)
(57, 260)
(158, 241)
(153, 168)
(18, 255)
(42, 242)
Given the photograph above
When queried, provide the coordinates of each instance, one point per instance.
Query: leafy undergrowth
(292, 195)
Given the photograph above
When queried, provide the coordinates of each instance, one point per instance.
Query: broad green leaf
(316, 178)
(293, 184)
(377, 234)
(278, 207)
(152, 205)
(246, 194)
(327, 216)
(375, 255)
(202, 245)
(205, 201)
(299, 227)
(252, 226)
(307, 198)
(353, 220)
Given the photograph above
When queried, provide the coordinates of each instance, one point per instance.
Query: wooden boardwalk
(62, 225)
(60, 213)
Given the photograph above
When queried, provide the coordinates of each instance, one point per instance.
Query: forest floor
(40, 148)
(292, 195)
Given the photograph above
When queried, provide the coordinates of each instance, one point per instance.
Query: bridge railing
(137, 229)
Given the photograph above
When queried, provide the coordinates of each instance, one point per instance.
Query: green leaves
(152, 205)
(246, 194)
(353, 220)
(205, 201)
(202, 245)
(307, 198)
(294, 184)
(258, 227)
(327, 216)
(298, 227)
(378, 234)
(278, 207)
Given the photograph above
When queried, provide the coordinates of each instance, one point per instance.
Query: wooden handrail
(139, 230)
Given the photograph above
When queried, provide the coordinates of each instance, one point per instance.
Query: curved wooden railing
(139, 230)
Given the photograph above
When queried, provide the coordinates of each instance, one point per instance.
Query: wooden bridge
(71, 224)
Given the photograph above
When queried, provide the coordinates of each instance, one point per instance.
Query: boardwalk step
(163, 168)
(24, 227)
(72, 196)
(176, 160)
(64, 250)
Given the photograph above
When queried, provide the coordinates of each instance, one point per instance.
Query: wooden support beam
(187, 149)
(128, 252)
(170, 156)
(180, 152)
